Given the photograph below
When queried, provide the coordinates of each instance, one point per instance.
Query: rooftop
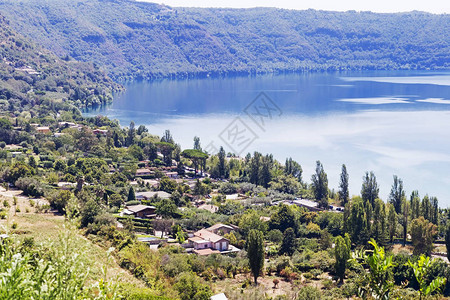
(209, 236)
(139, 207)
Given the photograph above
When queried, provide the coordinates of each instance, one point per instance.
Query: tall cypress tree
(343, 186)
(369, 189)
(320, 185)
(342, 251)
(397, 194)
(131, 194)
(255, 252)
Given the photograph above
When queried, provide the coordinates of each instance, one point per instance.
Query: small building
(221, 228)
(149, 195)
(173, 175)
(203, 239)
(140, 211)
(100, 131)
(43, 129)
(144, 172)
(66, 124)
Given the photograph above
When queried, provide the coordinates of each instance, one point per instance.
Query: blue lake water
(389, 122)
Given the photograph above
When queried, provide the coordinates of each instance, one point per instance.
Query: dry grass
(46, 228)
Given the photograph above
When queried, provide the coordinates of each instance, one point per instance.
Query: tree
(131, 194)
(343, 186)
(325, 240)
(166, 150)
(131, 134)
(320, 185)
(32, 162)
(196, 156)
(255, 163)
(283, 219)
(447, 240)
(289, 243)
(167, 137)
(167, 185)
(369, 189)
(264, 175)
(421, 269)
(342, 252)
(397, 194)
(222, 163)
(197, 145)
(422, 235)
(392, 223)
(166, 208)
(255, 252)
(415, 205)
(293, 168)
(405, 209)
(89, 211)
(251, 220)
(358, 222)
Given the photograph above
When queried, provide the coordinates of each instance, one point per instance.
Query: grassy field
(50, 228)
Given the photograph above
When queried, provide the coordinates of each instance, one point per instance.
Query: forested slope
(144, 40)
(31, 75)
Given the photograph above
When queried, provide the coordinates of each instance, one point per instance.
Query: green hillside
(31, 75)
(144, 40)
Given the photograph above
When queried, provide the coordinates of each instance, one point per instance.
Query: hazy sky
(433, 6)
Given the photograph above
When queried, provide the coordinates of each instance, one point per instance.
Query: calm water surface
(391, 122)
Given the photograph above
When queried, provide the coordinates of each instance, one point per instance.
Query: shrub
(309, 293)
(190, 287)
(30, 186)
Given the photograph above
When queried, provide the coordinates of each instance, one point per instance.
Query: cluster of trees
(240, 41)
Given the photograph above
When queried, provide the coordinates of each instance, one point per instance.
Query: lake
(389, 122)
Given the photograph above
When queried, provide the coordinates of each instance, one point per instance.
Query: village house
(140, 211)
(100, 131)
(222, 228)
(43, 129)
(206, 242)
(173, 175)
(144, 172)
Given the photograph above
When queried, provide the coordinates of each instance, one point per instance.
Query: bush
(190, 287)
(227, 188)
(30, 186)
(309, 293)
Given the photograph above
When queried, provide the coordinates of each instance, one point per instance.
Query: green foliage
(255, 252)
(309, 293)
(289, 244)
(377, 282)
(311, 39)
(342, 252)
(283, 218)
(344, 194)
(422, 236)
(420, 268)
(31, 75)
(189, 287)
(57, 271)
(369, 189)
(320, 185)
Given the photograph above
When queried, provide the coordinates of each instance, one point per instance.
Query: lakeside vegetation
(133, 39)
